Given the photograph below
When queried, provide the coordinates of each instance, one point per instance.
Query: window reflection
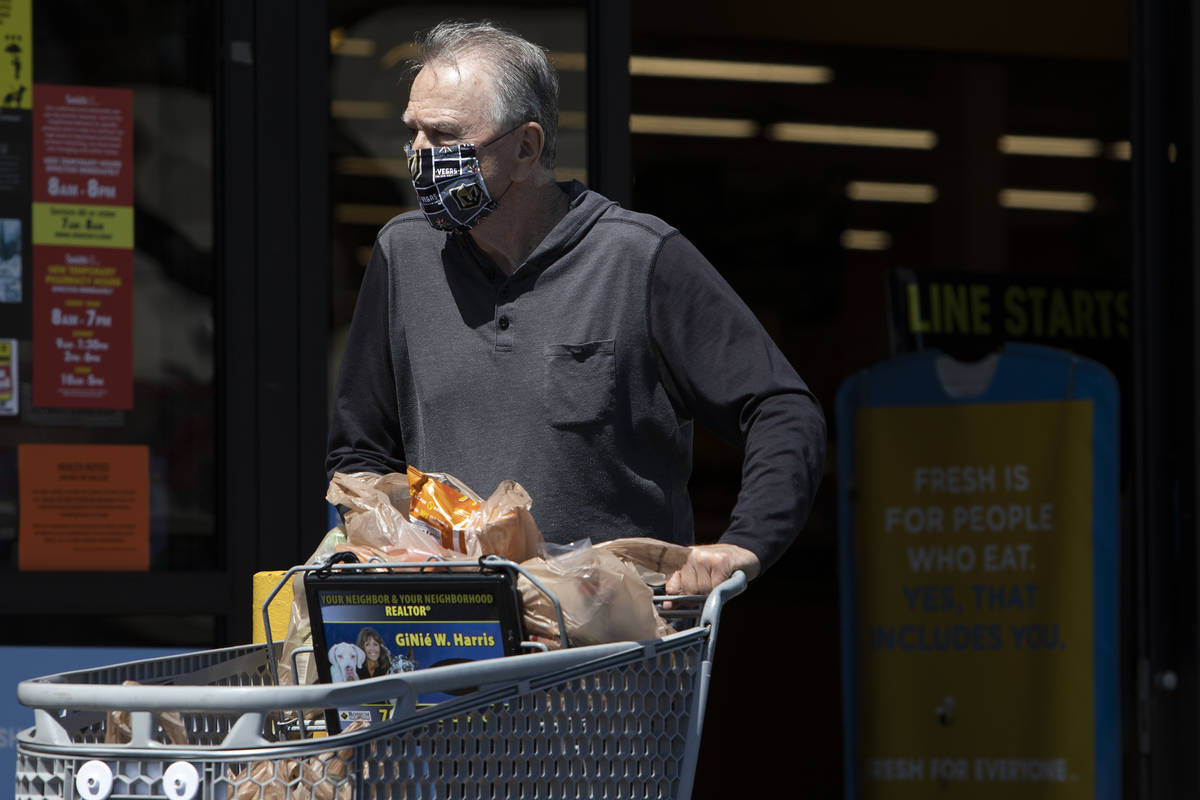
(163, 52)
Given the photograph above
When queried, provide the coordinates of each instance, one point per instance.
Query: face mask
(450, 186)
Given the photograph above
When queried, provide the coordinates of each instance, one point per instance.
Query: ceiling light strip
(1015, 145)
(693, 126)
(354, 48)
(360, 109)
(865, 240)
(1043, 200)
(879, 192)
(852, 135)
(661, 67)
(572, 120)
(568, 62)
(399, 54)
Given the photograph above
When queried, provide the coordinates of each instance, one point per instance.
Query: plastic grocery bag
(603, 599)
(654, 560)
(377, 517)
(503, 525)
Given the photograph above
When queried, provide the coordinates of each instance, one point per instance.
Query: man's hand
(710, 564)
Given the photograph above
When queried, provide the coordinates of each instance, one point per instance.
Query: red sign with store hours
(83, 146)
(83, 327)
(83, 241)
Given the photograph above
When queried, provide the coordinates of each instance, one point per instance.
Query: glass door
(164, 313)
(107, 440)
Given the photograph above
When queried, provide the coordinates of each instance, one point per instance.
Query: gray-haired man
(519, 328)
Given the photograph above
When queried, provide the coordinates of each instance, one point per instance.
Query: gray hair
(526, 86)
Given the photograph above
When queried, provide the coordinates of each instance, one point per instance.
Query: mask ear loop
(501, 136)
(495, 199)
(499, 197)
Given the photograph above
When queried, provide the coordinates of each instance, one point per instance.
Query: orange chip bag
(443, 507)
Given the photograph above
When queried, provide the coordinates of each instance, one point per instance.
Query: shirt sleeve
(364, 430)
(731, 378)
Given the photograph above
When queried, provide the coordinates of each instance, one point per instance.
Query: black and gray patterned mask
(449, 184)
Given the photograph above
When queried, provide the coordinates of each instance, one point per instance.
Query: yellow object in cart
(279, 611)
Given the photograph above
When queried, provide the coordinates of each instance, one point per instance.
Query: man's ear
(529, 150)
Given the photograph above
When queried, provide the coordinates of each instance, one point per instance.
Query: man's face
(446, 106)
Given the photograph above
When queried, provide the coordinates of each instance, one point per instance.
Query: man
(519, 328)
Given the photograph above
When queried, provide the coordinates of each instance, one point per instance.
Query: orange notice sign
(84, 507)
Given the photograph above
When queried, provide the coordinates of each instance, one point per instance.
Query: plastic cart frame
(619, 720)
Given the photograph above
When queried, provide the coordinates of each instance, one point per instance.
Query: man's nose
(419, 141)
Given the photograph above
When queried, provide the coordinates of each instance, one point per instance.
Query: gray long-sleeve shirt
(579, 376)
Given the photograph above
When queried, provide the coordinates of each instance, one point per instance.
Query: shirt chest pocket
(580, 382)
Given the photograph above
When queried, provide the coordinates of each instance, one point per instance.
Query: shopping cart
(619, 720)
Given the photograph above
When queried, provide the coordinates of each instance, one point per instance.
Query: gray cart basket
(618, 720)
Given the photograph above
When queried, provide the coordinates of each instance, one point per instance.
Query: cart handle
(734, 585)
(47, 694)
(253, 702)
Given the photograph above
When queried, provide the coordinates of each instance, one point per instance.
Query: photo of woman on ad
(379, 658)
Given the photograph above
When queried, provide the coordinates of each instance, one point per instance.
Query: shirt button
(503, 323)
